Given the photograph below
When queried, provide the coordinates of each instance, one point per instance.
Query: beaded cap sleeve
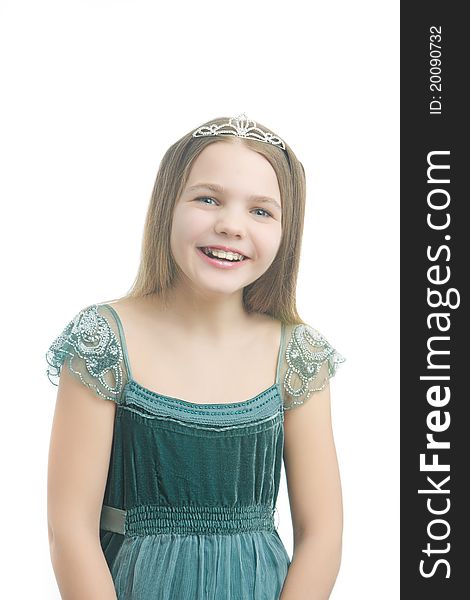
(91, 347)
(309, 361)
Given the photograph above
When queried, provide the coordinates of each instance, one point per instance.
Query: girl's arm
(315, 499)
(79, 454)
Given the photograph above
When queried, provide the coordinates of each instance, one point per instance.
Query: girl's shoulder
(309, 360)
(91, 346)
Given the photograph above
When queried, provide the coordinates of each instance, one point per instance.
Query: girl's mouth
(221, 262)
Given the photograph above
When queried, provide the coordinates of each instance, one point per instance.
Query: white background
(93, 93)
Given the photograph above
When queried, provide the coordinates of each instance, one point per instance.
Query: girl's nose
(230, 223)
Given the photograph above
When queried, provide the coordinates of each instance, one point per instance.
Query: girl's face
(232, 199)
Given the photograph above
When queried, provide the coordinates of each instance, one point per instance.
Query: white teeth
(222, 254)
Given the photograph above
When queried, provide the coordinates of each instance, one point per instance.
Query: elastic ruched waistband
(152, 519)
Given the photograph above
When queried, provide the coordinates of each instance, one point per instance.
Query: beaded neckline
(268, 391)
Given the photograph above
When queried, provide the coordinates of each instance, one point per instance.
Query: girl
(169, 490)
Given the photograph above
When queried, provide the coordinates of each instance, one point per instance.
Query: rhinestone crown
(240, 126)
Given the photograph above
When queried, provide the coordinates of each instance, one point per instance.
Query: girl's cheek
(199, 220)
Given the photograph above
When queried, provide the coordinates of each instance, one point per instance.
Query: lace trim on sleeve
(93, 352)
(311, 362)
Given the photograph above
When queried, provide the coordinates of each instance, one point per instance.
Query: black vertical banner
(434, 263)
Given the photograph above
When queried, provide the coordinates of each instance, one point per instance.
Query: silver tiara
(240, 126)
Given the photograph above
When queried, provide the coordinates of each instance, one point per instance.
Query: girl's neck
(196, 313)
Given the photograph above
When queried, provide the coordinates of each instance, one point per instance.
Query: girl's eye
(204, 198)
(265, 211)
(209, 198)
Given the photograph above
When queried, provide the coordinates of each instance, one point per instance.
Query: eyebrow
(218, 188)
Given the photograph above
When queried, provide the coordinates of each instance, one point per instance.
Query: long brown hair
(274, 293)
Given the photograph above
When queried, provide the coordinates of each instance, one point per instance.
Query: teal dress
(189, 503)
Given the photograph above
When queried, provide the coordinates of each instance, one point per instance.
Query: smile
(219, 261)
(216, 253)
